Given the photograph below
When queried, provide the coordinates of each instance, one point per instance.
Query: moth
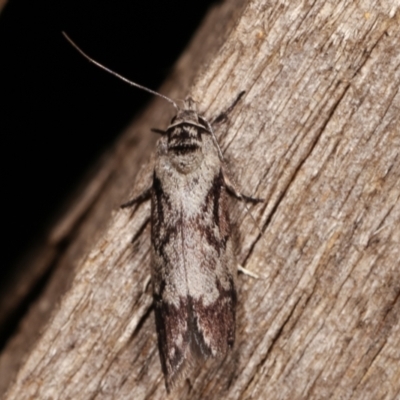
(193, 258)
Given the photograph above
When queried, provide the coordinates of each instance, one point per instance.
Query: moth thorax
(185, 148)
(184, 139)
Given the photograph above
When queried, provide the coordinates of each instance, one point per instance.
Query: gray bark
(317, 135)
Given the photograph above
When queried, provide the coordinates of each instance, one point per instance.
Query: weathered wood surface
(318, 136)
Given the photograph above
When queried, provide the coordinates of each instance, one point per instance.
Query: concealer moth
(193, 259)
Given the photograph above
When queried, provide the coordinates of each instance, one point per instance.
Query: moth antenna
(211, 130)
(233, 183)
(261, 233)
(221, 157)
(116, 74)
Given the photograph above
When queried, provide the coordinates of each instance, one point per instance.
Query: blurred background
(60, 113)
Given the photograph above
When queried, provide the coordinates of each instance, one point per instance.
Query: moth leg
(159, 131)
(146, 283)
(223, 116)
(139, 199)
(230, 187)
(247, 272)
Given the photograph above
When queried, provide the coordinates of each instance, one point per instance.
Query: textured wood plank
(318, 136)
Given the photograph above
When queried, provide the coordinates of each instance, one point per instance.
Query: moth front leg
(145, 195)
(224, 115)
(231, 189)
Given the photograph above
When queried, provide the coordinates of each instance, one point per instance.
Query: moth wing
(173, 339)
(213, 313)
(194, 330)
(213, 325)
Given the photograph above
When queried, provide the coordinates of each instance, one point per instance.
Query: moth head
(186, 129)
